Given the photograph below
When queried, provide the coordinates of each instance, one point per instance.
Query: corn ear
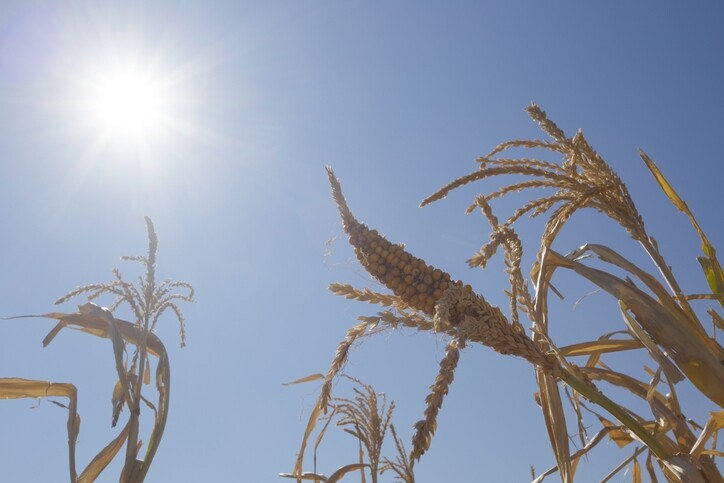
(418, 284)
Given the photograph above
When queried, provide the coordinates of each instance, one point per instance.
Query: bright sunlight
(128, 102)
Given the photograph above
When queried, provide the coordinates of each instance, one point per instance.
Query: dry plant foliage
(147, 301)
(658, 318)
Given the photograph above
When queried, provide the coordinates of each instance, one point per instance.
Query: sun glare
(128, 104)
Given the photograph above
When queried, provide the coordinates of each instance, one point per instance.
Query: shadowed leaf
(697, 357)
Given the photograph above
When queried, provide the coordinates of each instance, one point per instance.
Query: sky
(246, 102)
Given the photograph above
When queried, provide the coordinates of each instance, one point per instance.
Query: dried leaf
(312, 377)
(117, 400)
(103, 458)
(304, 476)
(599, 347)
(636, 475)
(697, 357)
(617, 434)
(712, 269)
(307, 432)
(16, 388)
(337, 475)
(715, 423)
(555, 423)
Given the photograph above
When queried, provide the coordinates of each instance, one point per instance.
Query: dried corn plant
(658, 319)
(367, 417)
(134, 345)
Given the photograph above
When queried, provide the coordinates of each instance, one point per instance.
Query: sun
(128, 103)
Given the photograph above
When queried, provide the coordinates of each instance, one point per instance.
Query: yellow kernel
(421, 287)
(436, 274)
(437, 294)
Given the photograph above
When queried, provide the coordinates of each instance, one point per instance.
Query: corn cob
(418, 284)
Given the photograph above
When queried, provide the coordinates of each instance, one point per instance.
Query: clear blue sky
(399, 97)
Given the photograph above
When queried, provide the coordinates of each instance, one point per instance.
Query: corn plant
(367, 417)
(658, 318)
(134, 345)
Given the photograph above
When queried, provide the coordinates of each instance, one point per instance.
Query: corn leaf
(337, 475)
(555, 420)
(105, 456)
(657, 354)
(636, 471)
(712, 269)
(93, 320)
(697, 357)
(599, 347)
(307, 432)
(311, 377)
(714, 277)
(304, 476)
(17, 388)
(715, 423)
(617, 433)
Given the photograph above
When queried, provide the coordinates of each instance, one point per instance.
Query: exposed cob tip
(418, 284)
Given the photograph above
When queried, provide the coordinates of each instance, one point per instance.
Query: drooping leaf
(698, 357)
(337, 475)
(555, 421)
(97, 321)
(307, 433)
(17, 388)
